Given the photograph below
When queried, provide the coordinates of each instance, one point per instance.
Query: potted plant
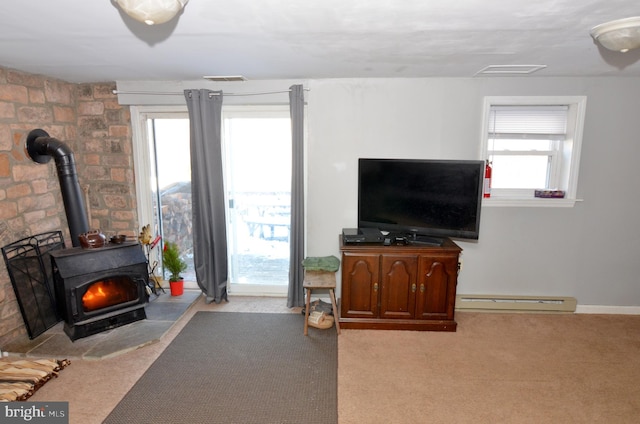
(172, 262)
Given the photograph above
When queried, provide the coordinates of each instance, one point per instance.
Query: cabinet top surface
(447, 246)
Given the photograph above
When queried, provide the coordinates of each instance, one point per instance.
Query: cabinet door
(399, 284)
(437, 279)
(360, 287)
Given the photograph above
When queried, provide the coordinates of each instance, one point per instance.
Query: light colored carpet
(497, 368)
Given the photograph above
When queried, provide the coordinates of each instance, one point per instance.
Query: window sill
(529, 202)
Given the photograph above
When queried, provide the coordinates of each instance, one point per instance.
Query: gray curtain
(296, 240)
(207, 191)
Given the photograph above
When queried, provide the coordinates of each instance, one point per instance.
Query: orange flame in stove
(102, 294)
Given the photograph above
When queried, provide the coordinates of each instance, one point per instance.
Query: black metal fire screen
(29, 265)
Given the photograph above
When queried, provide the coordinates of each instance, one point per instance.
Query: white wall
(590, 251)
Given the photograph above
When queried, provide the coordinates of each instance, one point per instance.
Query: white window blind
(520, 121)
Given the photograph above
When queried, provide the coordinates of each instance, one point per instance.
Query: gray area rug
(244, 368)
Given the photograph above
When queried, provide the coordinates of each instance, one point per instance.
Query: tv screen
(440, 198)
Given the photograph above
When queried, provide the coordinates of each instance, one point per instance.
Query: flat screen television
(414, 198)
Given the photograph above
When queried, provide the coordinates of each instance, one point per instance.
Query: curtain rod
(160, 93)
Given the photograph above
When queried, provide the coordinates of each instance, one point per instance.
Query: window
(257, 154)
(533, 143)
(163, 181)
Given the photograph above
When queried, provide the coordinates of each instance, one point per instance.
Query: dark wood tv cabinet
(399, 287)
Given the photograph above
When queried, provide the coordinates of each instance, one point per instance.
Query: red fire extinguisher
(487, 179)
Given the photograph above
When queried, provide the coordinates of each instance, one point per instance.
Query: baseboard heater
(515, 303)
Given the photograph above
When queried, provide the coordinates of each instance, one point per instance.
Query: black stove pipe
(41, 148)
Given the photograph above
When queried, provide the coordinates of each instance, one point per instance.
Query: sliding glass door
(257, 144)
(170, 187)
(257, 154)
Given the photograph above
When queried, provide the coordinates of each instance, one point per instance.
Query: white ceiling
(92, 41)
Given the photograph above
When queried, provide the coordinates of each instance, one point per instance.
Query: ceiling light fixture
(620, 35)
(152, 12)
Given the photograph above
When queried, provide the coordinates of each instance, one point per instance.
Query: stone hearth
(162, 312)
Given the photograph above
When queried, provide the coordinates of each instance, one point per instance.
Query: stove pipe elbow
(41, 148)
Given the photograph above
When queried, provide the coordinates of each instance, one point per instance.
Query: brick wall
(106, 169)
(88, 119)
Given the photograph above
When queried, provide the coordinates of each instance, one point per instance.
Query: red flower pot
(177, 287)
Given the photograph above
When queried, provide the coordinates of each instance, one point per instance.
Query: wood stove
(100, 289)
(95, 289)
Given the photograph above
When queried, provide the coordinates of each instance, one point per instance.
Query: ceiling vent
(510, 69)
(225, 78)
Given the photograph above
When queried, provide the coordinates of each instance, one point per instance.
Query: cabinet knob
(375, 287)
(421, 288)
(413, 288)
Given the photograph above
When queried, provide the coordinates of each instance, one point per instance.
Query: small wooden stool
(320, 280)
